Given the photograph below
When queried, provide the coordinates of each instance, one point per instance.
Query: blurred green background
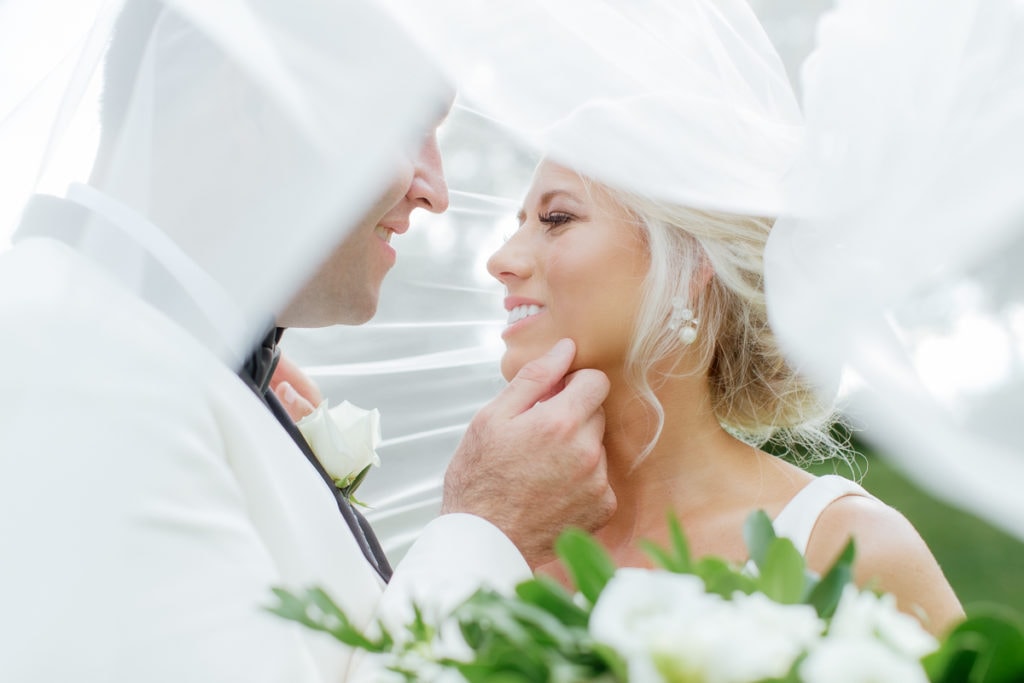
(983, 564)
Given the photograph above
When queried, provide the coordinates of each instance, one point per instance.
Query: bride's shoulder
(891, 556)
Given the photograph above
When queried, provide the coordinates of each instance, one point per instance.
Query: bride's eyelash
(555, 218)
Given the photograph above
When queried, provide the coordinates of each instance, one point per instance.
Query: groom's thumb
(538, 379)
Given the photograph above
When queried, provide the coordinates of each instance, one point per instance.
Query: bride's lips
(521, 311)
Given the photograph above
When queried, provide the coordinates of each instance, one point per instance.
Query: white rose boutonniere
(344, 440)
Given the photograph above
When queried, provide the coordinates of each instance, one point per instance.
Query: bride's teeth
(384, 233)
(524, 311)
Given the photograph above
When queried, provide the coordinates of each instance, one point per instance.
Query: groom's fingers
(581, 396)
(296, 406)
(536, 381)
(287, 371)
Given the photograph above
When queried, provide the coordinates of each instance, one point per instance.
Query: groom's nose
(429, 190)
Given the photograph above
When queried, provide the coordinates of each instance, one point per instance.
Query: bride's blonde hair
(713, 261)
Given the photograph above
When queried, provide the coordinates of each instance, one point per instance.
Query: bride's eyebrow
(545, 199)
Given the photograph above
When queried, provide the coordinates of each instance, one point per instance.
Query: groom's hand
(297, 392)
(532, 461)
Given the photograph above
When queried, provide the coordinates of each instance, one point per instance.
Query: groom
(148, 497)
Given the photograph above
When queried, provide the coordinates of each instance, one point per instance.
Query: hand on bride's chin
(514, 360)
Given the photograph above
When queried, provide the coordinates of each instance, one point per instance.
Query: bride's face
(574, 268)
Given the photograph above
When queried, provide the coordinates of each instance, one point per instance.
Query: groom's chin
(351, 310)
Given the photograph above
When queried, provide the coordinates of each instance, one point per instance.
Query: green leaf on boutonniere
(588, 563)
(348, 488)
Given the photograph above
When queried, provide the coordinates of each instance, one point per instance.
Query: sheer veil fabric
(897, 256)
(687, 101)
(233, 140)
(892, 261)
(889, 273)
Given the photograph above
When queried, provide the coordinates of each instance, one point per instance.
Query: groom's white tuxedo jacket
(149, 501)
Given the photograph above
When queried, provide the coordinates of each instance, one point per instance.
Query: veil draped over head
(898, 255)
(686, 101)
(899, 213)
(233, 143)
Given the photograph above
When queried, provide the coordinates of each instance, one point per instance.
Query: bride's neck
(682, 468)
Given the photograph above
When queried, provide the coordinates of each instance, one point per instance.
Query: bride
(667, 301)
(653, 265)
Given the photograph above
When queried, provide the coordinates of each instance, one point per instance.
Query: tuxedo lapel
(256, 374)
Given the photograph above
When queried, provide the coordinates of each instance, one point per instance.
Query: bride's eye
(555, 219)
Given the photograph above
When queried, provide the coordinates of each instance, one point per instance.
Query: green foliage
(588, 564)
(677, 558)
(987, 647)
(824, 596)
(541, 632)
(316, 610)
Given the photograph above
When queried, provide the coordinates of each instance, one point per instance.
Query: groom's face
(347, 287)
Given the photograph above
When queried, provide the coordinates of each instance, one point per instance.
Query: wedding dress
(797, 519)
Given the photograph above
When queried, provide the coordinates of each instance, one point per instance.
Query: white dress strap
(797, 519)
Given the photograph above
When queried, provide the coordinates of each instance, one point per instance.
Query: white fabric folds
(898, 257)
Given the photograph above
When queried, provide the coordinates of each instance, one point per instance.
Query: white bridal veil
(894, 256)
(892, 264)
(899, 253)
(232, 142)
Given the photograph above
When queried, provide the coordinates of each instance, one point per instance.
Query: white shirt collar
(225, 316)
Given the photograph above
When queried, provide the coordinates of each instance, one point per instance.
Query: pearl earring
(682, 320)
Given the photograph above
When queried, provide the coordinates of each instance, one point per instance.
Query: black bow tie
(256, 372)
(259, 367)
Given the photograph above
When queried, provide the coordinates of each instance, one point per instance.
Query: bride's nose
(511, 261)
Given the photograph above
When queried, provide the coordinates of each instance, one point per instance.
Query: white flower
(668, 629)
(859, 660)
(864, 614)
(770, 635)
(343, 439)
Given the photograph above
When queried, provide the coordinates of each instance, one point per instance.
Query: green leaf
(722, 578)
(782, 572)
(349, 489)
(987, 647)
(289, 606)
(677, 559)
(587, 562)
(824, 596)
(549, 595)
(316, 610)
(758, 533)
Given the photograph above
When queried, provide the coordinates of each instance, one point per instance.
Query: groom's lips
(397, 228)
(389, 230)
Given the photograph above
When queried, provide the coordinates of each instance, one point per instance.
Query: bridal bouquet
(690, 621)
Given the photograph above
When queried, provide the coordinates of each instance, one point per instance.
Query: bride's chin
(510, 365)
(513, 360)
